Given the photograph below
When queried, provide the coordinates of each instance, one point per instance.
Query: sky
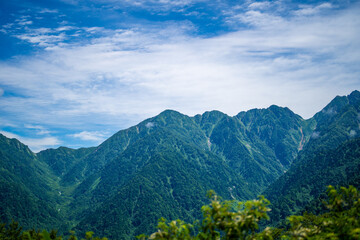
(74, 72)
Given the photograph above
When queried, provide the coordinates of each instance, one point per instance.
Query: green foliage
(221, 221)
(341, 222)
(13, 231)
(176, 229)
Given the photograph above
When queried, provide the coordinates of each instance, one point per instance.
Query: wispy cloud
(43, 40)
(161, 5)
(40, 130)
(260, 19)
(98, 75)
(24, 20)
(306, 10)
(90, 136)
(47, 10)
(259, 5)
(131, 71)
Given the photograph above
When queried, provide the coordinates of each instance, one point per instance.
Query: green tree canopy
(239, 220)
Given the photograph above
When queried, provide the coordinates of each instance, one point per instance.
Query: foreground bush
(221, 220)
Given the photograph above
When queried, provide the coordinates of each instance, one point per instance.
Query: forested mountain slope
(332, 157)
(200, 147)
(27, 193)
(164, 165)
(171, 182)
(62, 159)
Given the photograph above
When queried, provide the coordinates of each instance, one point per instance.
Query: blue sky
(74, 72)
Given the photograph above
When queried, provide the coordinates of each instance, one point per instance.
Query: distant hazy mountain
(164, 166)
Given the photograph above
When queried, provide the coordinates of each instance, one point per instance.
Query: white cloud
(8, 25)
(64, 28)
(90, 136)
(260, 19)
(24, 20)
(167, 3)
(24, 28)
(94, 29)
(40, 130)
(306, 10)
(42, 40)
(35, 144)
(6, 122)
(161, 7)
(134, 74)
(47, 10)
(259, 5)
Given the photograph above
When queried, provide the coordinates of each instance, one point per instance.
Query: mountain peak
(170, 112)
(354, 98)
(215, 114)
(168, 116)
(337, 104)
(355, 92)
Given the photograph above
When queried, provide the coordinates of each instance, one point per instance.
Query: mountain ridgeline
(164, 166)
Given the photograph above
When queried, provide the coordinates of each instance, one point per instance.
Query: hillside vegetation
(240, 220)
(164, 166)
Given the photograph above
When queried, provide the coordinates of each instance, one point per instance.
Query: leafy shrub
(221, 220)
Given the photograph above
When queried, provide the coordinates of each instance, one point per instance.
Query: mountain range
(164, 166)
